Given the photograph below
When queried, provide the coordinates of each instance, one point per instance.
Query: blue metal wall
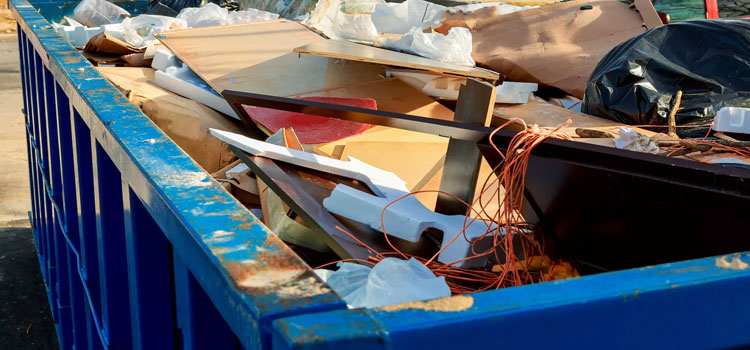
(138, 246)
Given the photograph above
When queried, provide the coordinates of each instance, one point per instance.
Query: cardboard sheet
(555, 45)
(185, 121)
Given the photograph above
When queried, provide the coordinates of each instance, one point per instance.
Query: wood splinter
(672, 124)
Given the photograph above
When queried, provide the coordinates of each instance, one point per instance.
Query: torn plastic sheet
(452, 48)
(138, 31)
(212, 15)
(337, 20)
(399, 18)
(391, 281)
(94, 13)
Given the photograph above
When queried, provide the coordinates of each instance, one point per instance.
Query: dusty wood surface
(549, 115)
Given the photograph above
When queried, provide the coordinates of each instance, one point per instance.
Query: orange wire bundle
(505, 225)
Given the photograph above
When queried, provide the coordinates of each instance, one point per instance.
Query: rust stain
(734, 264)
(272, 266)
(449, 304)
(262, 277)
(303, 288)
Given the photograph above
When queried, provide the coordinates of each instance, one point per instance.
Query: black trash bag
(709, 60)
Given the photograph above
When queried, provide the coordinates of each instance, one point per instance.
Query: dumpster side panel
(691, 304)
(138, 246)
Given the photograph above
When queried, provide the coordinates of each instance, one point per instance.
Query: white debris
(139, 31)
(391, 281)
(94, 13)
(452, 48)
(211, 14)
(635, 141)
(330, 17)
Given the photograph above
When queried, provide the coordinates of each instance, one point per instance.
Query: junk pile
(416, 150)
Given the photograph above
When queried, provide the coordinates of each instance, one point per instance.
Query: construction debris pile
(416, 150)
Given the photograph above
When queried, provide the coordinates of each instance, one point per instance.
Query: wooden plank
(363, 53)
(475, 102)
(257, 57)
(548, 115)
(380, 134)
(414, 162)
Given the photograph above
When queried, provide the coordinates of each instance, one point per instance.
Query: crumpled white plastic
(399, 18)
(635, 141)
(452, 48)
(211, 14)
(94, 13)
(391, 281)
(139, 30)
(337, 20)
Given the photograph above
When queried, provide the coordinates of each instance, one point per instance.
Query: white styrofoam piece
(176, 77)
(733, 119)
(446, 87)
(514, 92)
(79, 35)
(406, 219)
(164, 59)
(237, 169)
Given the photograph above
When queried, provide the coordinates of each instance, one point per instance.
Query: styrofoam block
(733, 119)
(406, 219)
(78, 36)
(164, 59)
(446, 87)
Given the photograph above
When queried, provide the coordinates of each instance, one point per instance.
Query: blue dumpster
(141, 249)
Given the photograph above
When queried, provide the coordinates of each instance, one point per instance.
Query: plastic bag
(138, 30)
(391, 281)
(708, 60)
(452, 48)
(399, 18)
(208, 15)
(330, 18)
(94, 13)
(250, 15)
(212, 15)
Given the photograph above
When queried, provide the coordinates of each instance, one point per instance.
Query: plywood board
(378, 134)
(258, 58)
(414, 162)
(363, 53)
